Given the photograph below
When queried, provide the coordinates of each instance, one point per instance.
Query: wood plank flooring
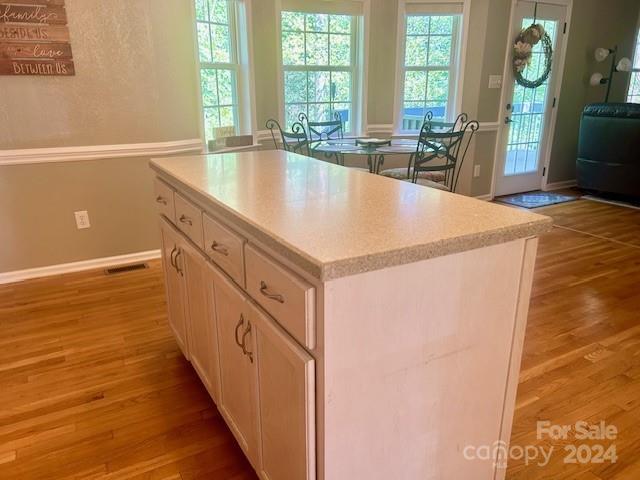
(92, 385)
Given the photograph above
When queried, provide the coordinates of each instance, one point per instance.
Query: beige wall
(135, 83)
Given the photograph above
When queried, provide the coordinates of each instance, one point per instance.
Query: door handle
(185, 219)
(507, 120)
(178, 269)
(248, 353)
(161, 199)
(240, 322)
(173, 251)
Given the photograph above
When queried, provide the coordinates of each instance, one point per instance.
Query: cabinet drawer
(224, 247)
(283, 294)
(189, 219)
(164, 199)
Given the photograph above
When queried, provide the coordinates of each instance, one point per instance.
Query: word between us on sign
(34, 38)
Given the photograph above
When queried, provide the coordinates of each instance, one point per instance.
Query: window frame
(459, 8)
(356, 69)
(240, 61)
(635, 69)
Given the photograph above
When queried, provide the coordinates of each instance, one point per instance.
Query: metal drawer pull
(185, 219)
(171, 257)
(248, 353)
(161, 199)
(178, 269)
(240, 322)
(273, 296)
(217, 247)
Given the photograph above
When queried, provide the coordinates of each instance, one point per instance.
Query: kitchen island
(347, 325)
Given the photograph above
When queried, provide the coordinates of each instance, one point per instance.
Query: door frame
(506, 74)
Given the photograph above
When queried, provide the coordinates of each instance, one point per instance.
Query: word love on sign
(34, 38)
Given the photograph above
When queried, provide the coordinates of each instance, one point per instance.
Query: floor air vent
(125, 268)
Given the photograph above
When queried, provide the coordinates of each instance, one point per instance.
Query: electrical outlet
(476, 171)
(495, 81)
(82, 219)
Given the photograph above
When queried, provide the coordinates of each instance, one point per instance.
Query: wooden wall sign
(34, 38)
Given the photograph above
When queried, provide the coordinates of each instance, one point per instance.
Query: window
(633, 95)
(319, 58)
(219, 66)
(429, 69)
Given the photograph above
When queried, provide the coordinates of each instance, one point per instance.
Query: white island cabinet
(347, 325)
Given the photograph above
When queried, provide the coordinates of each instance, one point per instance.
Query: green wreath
(522, 54)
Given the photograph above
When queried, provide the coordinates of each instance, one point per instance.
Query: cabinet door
(286, 389)
(174, 273)
(198, 290)
(238, 391)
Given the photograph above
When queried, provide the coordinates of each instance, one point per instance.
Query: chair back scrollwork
(295, 140)
(326, 130)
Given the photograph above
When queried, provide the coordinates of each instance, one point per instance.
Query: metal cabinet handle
(161, 199)
(185, 219)
(240, 322)
(219, 248)
(178, 269)
(264, 290)
(171, 257)
(248, 353)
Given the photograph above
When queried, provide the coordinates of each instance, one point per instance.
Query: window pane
(209, 88)
(340, 50)
(319, 87)
(440, 51)
(317, 22)
(204, 42)
(439, 109)
(210, 122)
(317, 49)
(319, 112)
(291, 113)
(415, 86)
(292, 48)
(412, 115)
(340, 23)
(220, 36)
(441, 25)
(438, 85)
(227, 117)
(418, 25)
(295, 87)
(292, 21)
(218, 11)
(416, 52)
(201, 10)
(341, 86)
(226, 87)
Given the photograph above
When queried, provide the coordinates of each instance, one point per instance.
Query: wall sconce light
(624, 65)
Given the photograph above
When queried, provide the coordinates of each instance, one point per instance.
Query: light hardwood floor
(93, 386)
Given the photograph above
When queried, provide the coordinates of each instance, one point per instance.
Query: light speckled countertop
(334, 221)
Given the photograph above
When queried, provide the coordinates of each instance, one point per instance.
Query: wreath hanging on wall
(523, 53)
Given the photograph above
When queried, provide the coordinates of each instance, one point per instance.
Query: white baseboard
(487, 197)
(559, 185)
(19, 275)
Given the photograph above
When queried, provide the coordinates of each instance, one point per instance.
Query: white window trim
(242, 55)
(457, 86)
(634, 68)
(360, 55)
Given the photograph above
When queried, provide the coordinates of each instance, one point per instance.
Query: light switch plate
(495, 81)
(82, 219)
(476, 171)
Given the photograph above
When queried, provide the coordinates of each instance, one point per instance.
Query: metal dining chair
(443, 152)
(402, 173)
(295, 140)
(326, 130)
